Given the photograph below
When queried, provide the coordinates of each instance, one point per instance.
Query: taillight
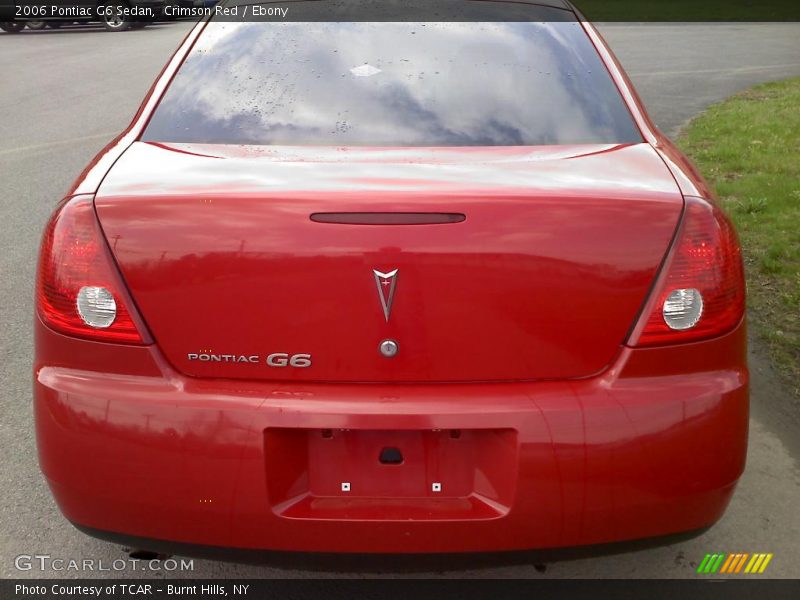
(701, 294)
(78, 289)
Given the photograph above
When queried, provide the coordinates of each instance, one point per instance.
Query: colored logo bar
(734, 563)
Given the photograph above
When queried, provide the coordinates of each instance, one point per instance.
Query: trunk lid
(542, 279)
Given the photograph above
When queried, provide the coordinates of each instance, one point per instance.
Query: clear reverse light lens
(683, 308)
(96, 306)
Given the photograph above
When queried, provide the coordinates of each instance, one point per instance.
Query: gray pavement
(66, 93)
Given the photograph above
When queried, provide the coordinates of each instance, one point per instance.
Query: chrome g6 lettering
(281, 359)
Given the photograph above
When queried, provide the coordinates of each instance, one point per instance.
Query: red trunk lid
(542, 279)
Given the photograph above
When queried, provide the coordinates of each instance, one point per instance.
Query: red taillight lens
(702, 293)
(78, 289)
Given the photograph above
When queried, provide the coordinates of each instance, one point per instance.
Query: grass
(690, 10)
(748, 147)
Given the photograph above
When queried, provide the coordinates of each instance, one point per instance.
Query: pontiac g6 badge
(276, 359)
(386, 283)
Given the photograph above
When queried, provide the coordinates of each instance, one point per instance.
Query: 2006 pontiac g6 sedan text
(391, 286)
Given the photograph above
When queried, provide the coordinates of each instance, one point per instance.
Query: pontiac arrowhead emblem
(386, 283)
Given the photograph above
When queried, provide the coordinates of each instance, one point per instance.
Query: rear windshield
(393, 84)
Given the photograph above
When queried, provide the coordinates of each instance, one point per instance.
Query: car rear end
(568, 362)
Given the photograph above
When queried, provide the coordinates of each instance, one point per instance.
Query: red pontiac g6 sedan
(391, 286)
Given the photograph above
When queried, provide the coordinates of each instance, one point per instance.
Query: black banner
(410, 10)
(400, 589)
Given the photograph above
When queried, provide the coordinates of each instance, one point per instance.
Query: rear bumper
(654, 446)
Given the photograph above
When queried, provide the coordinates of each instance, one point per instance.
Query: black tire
(12, 26)
(36, 25)
(113, 18)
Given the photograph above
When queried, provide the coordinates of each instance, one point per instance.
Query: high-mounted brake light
(701, 294)
(78, 290)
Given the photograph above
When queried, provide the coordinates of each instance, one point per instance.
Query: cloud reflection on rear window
(393, 84)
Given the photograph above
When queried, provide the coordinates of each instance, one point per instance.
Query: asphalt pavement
(66, 93)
